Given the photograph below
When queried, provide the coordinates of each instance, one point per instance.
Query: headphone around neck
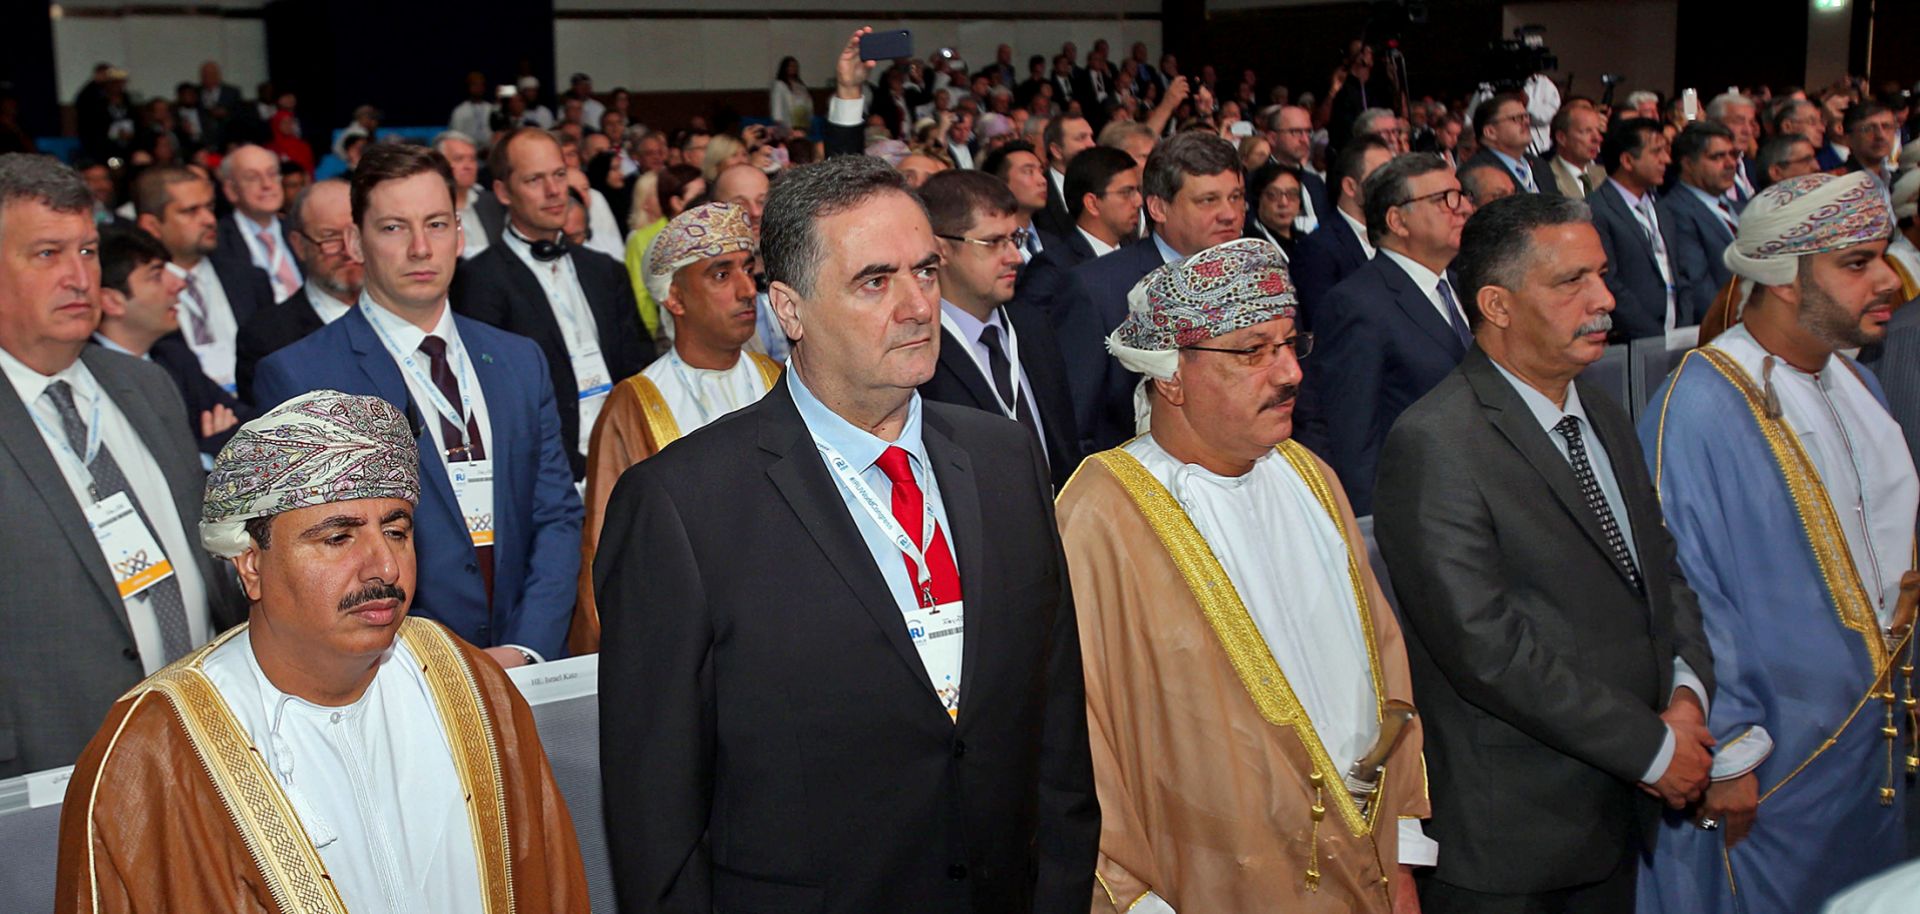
(543, 250)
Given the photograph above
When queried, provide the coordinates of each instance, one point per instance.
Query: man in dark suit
(1393, 329)
(175, 205)
(1196, 198)
(1066, 137)
(250, 180)
(1291, 136)
(1505, 128)
(798, 716)
(317, 226)
(497, 533)
(1103, 193)
(1704, 219)
(74, 644)
(1557, 653)
(577, 304)
(139, 317)
(1339, 247)
(482, 218)
(1634, 232)
(995, 354)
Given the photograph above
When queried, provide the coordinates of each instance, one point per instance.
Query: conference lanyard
(458, 418)
(883, 518)
(66, 447)
(1012, 347)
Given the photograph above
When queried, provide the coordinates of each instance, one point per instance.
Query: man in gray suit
(1557, 652)
(104, 580)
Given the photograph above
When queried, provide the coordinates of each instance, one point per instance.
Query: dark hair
(1469, 176)
(1197, 153)
(1786, 108)
(295, 221)
(780, 72)
(1055, 133)
(1486, 111)
(1390, 185)
(499, 163)
(1352, 162)
(26, 176)
(672, 183)
(388, 161)
(261, 530)
(790, 243)
(1776, 150)
(1265, 175)
(1090, 172)
(954, 199)
(124, 249)
(1691, 143)
(1496, 247)
(1858, 113)
(995, 163)
(150, 188)
(1562, 120)
(1626, 137)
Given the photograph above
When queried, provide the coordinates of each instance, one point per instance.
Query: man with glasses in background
(250, 178)
(1393, 329)
(317, 226)
(1505, 128)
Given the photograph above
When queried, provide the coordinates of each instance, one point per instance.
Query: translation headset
(545, 251)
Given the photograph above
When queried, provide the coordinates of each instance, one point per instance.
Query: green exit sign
(1829, 5)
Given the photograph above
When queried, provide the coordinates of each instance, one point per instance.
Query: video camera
(1512, 60)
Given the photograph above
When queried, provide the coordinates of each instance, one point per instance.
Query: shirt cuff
(1740, 755)
(1416, 849)
(1683, 676)
(846, 112)
(1150, 904)
(1658, 768)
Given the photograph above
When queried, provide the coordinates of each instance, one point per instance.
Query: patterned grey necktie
(1569, 428)
(169, 608)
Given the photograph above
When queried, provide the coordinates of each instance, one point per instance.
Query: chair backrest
(1610, 375)
(1652, 361)
(566, 708)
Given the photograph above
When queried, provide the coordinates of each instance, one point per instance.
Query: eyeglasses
(1124, 193)
(1017, 241)
(1293, 195)
(331, 245)
(1264, 355)
(1449, 199)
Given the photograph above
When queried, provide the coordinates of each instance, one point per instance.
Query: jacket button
(473, 568)
(131, 654)
(959, 748)
(957, 871)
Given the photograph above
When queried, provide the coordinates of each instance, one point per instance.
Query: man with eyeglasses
(1872, 136)
(223, 291)
(1384, 124)
(1505, 128)
(250, 179)
(317, 226)
(1704, 219)
(1786, 155)
(996, 354)
(1222, 558)
(1292, 141)
(1393, 329)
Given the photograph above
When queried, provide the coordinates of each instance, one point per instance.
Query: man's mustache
(374, 592)
(1600, 324)
(1280, 399)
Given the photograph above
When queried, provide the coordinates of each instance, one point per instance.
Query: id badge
(591, 375)
(133, 555)
(938, 634)
(473, 489)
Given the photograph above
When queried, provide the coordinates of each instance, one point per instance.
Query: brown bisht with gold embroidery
(172, 809)
(1215, 792)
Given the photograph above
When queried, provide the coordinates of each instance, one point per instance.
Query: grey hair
(295, 221)
(1496, 247)
(1717, 109)
(1636, 97)
(1198, 153)
(1777, 149)
(227, 161)
(1363, 125)
(30, 177)
(1388, 187)
(790, 241)
(445, 135)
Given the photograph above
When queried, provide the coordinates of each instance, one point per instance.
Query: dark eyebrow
(931, 260)
(397, 514)
(336, 522)
(874, 269)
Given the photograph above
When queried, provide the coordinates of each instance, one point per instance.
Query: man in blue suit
(1339, 247)
(498, 527)
(1196, 197)
(1634, 233)
(1704, 218)
(1393, 329)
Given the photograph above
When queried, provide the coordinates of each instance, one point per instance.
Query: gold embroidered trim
(1259, 673)
(769, 369)
(290, 869)
(661, 425)
(476, 754)
(1817, 517)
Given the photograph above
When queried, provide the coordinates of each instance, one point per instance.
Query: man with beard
(331, 754)
(1224, 559)
(1792, 495)
(317, 228)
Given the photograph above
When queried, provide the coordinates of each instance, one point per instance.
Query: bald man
(250, 179)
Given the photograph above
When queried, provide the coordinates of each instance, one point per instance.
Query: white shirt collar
(1542, 408)
(329, 309)
(252, 229)
(31, 384)
(404, 334)
(1633, 200)
(1100, 248)
(1359, 231)
(1426, 279)
(108, 344)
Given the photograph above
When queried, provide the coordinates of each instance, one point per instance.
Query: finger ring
(1709, 824)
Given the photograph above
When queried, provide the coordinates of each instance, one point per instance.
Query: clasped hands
(1729, 805)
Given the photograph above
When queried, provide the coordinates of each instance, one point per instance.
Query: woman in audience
(1274, 191)
(789, 102)
(723, 152)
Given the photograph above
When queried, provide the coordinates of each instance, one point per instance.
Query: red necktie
(909, 506)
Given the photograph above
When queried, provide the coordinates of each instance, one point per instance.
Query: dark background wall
(26, 64)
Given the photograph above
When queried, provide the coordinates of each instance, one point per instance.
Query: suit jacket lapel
(377, 364)
(961, 365)
(1419, 308)
(21, 437)
(1510, 415)
(960, 494)
(814, 496)
(532, 298)
(187, 492)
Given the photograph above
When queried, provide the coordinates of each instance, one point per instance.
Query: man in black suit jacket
(1066, 137)
(577, 304)
(1557, 652)
(1339, 247)
(1505, 128)
(253, 230)
(1103, 193)
(1393, 329)
(772, 738)
(995, 354)
(1196, 198)
(317, 227)
(1635, 233)
(175, 205)
(1290, 132)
